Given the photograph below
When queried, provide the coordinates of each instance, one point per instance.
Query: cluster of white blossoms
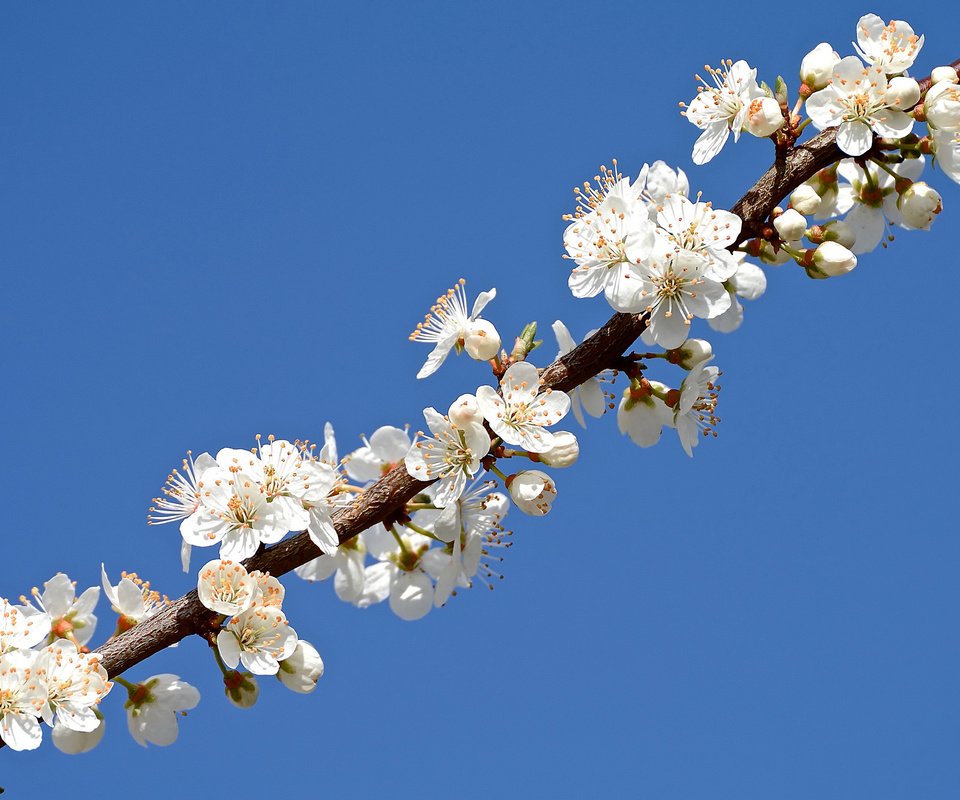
(47, 672)
(652, 250)
(243, 499)
(444, 538)
(256, 632)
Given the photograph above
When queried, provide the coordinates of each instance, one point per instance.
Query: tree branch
(186, 615)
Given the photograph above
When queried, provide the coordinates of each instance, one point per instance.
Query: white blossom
(892, 47)
(749, 282)
(18, 630)
(533, 491)
(236, 511)
(74, 683)
(67, 616)
(870, 201)
(450, 456)
(346, 565)
(856, 101)
(132, 598)
(386, 447)
(608, 241)
(642, 414)
(448, 325)
(259, 638)
(226, 587)
(522, 414)
(153, 708)
(942, 106)
(722, 107)
(947, 148)
(22, 697)
(696, 407)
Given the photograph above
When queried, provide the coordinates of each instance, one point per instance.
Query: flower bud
(692, 352)
(764, 117)
(533, 491)
(919, 205)
(240, 688)
(832, 259)
(749, 281)
(74, 742)
(791, 225)
(774, 258)
(805, 199)
(564, 452)
(942, 106)
(943, 74)
(816, 69)
(840, 232)
(482, 341)
(465, 410)
(303, 669)
(902, 93)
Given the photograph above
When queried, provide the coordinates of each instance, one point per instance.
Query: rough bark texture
(186, 616)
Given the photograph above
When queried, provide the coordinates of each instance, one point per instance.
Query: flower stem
(399, 538)
(421, 531)
(498, 473)
(223, 667)
(421, 507)
(130, 687)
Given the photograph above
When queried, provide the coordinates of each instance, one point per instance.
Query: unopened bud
(831, 259)
(764, 117)
(564, 452)
(241, 688)
(692, 352)
(773, 257)
(942, 106)
(72, 742)
(482, 341)
(840, 232)
(749, 281)
(919, 205)
(791, 225)
(302, 670)
(902, 93)
(947, 73)
(805, 199)
(816, 69)
(465, 410)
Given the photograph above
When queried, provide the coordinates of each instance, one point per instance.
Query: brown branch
(186, 616)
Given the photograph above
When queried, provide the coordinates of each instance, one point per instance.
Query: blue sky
(224, 219)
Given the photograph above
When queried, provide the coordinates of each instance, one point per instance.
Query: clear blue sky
(220, 219)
